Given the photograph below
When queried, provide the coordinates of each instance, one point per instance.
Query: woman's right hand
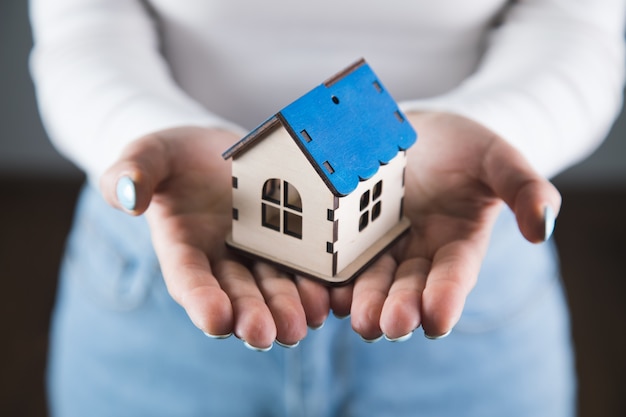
(179, 179)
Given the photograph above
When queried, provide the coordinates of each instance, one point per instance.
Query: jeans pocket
(109, 255)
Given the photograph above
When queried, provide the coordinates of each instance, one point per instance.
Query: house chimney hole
(306, 136)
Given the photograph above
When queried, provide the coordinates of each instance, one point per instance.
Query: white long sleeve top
(546, 75)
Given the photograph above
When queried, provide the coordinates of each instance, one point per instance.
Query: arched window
(281, 208)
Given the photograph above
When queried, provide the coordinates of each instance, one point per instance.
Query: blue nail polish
(374, 340)
(317, 327)
(257, 349)
(285, 345)
(401, 338)
(126, 194)
(437, 337)
(218, 336)
(549, 221)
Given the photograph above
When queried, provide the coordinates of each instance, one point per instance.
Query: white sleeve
(101, 80)
(550, 81)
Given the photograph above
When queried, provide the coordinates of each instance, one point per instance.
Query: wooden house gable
(340, 150)
(347, 128)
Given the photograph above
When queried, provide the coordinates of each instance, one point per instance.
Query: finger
(129, 183)
(401, 311)
(535, 201)
(370, 293)
(254, 323)
(452, 276)
(282, 298)
(341, 300)
(315, 299)
(191, 283)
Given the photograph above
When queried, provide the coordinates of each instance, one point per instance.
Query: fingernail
(549, 220)
(257, 349)
(126, 195)
(374, 340)
(287, 346)
(341, 317)
(312, 327)
(401, 338)
(218, 336)
(437, 337)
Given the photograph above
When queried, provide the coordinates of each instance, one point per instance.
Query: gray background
(26, 152)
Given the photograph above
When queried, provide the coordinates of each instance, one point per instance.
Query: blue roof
(347, 127)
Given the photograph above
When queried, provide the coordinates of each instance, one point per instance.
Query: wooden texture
(351, 242)
(340, 150)
(347, 128)
(351, 126)
(277, 156)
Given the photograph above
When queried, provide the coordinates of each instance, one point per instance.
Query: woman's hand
(457, 176)
(181, 182)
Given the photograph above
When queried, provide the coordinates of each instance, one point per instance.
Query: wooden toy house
(318, 187)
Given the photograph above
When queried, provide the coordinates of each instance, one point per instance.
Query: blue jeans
(120, 346)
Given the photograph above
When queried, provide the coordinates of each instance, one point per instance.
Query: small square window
(365, 200)
(376, 211)
(378, 190)
(271, 190)
(363, 221)
(270, 217)
(293, 224)
(292, 197)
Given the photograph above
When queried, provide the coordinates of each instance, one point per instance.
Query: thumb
(533, 199)
(130, 182)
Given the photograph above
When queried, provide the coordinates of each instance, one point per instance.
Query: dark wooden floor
(35, 217)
